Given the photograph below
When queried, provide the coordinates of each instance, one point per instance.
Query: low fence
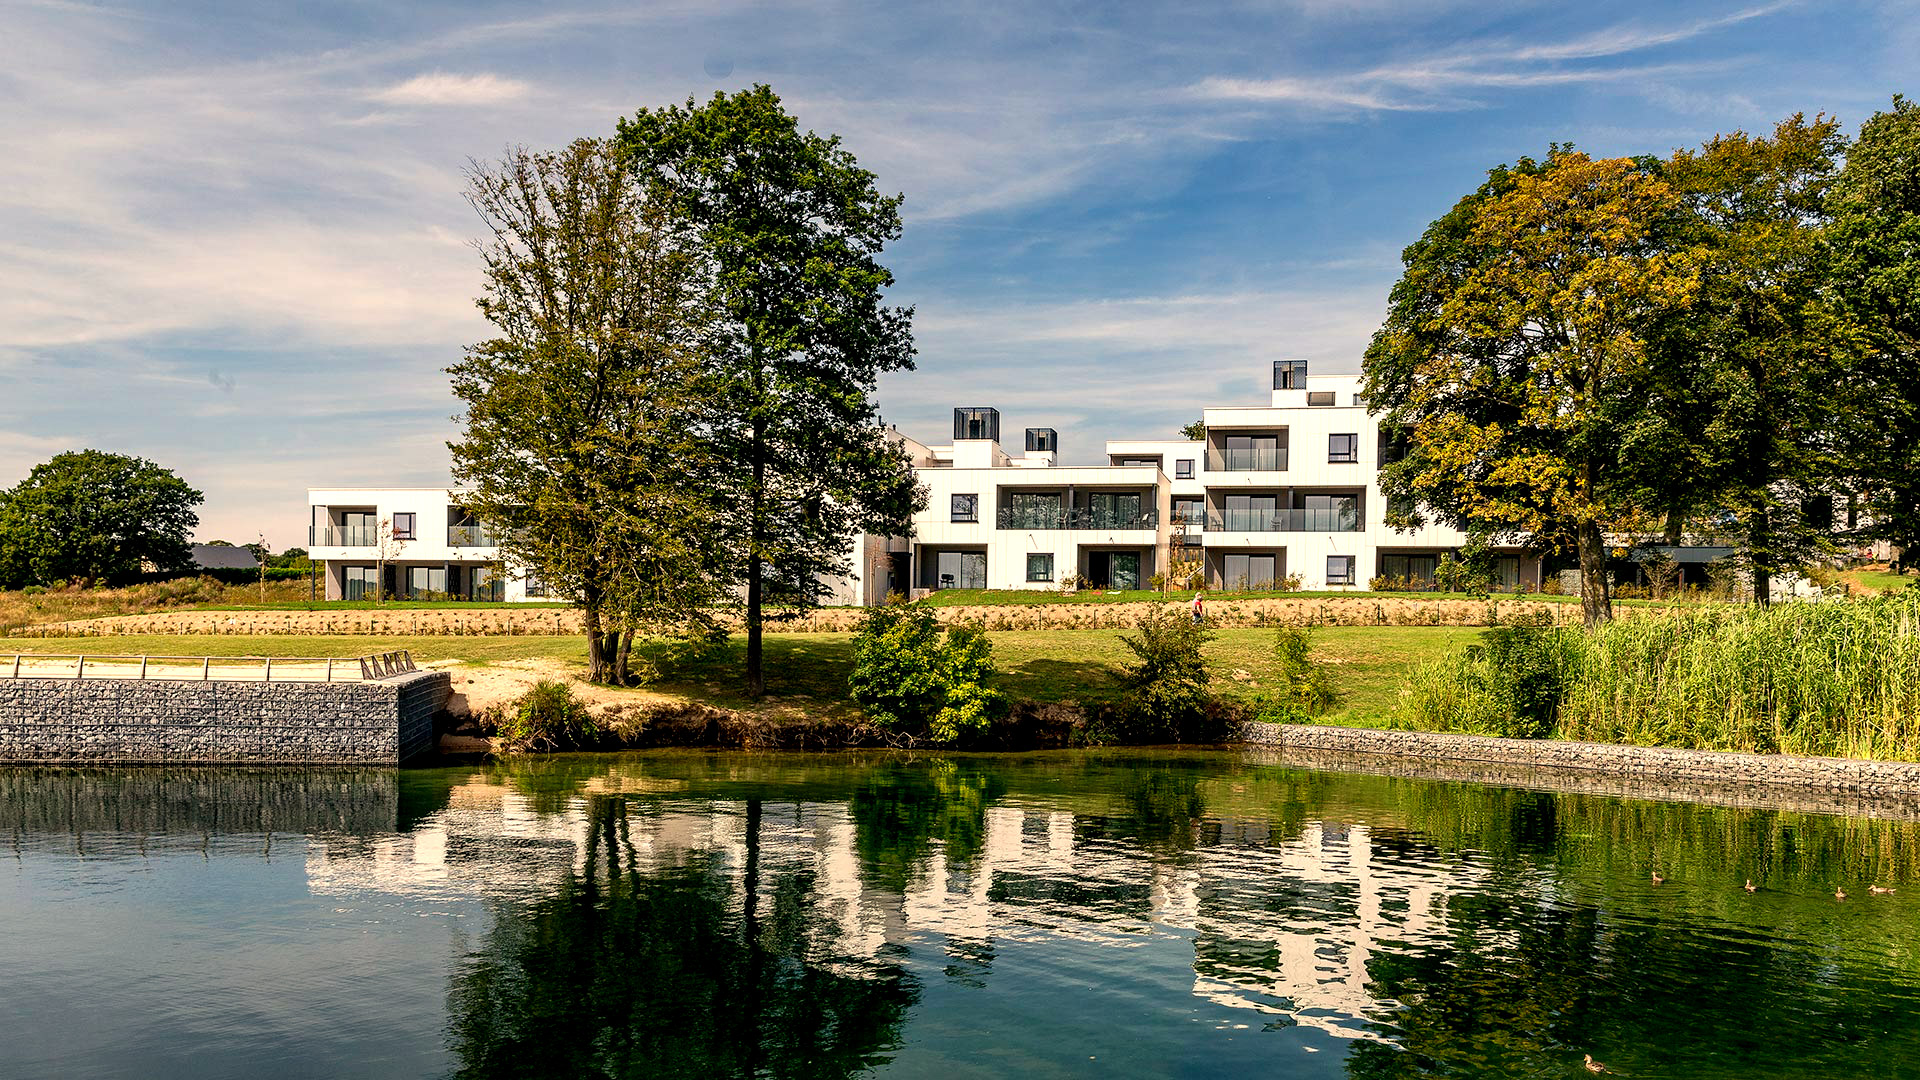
(368, 668)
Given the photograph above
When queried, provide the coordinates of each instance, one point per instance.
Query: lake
(1107, 914)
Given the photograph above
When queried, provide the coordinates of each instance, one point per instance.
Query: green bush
(910, 678)
(1512, 684)
(1306, 688)
(1167, 698)
(546, 717)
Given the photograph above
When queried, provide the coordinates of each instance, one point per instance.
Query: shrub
(912, 679)
(1512, 684)
(1167, 696)
(546, 717)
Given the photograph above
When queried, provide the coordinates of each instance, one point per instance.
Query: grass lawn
(810, 670)
(1877, 581)
(1020, 597)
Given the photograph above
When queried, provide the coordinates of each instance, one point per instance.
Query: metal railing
(207, 668)
(1074, 519)
(1286, 521)
(342, 535)
(472, 536)
(1247, 460)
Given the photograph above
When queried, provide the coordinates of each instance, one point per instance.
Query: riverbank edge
(1674, 768)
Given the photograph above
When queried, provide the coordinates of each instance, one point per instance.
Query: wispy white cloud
(440, 88)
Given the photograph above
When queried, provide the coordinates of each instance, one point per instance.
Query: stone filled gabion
(1651, 763)
(103, 721)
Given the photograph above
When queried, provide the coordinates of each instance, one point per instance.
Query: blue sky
(232, 237)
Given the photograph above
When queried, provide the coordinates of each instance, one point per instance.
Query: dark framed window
(1339, 569)
(1359, 399)
(535, 586)
(1289, 374)
(1040, 566)
(1343, 449)
(1183, 468)
(1190, 509)
(966, 508)
(403, 526)
(1320, 397)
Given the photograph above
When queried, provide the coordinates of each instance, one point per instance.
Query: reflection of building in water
(1281, 924)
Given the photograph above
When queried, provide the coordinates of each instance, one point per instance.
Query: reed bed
(1833, 678)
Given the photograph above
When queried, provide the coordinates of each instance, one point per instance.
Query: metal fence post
(80, 668)
(143, 668)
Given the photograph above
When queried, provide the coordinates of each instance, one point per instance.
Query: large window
(359, 582)
(1253, 453)
(1191, 510)
(1032, 510)
(1329, 513)
(1289, 374)
(1412, 569)
(536, 586)
(1251, 513)
(426, 579)
(1320, 397)
(1339, 569)
(1248, 571)
(1040, 566)
(1343, 449)
(403, 526)
(966, 508)
(960, 570)
(1115, 510)
(1183, 468)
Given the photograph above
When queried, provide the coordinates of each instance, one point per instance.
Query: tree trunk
(1760, 544)
(621, 655)
(756, 677)
(1675, 524)
(1596, 599)
(597, 659)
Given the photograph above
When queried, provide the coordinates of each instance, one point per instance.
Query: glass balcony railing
(1248, 460)
(1076, 518)
(1286, 521)
(342, 535)
(471, 536)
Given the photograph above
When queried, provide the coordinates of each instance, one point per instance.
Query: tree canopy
(90, 517)
(794, 228)
(585, 415)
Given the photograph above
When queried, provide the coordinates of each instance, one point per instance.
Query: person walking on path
(1199, 607)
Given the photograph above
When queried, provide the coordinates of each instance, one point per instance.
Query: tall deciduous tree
(1514, 353)
(794, 228)
(583, 417)
(1750, 374)
(91, 516)
(1875, 245)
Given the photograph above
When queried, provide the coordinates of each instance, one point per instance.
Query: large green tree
(90, 517)
(794, 228)
(1514, 354)
(1749, 371)
(583, 440)
(1874, 242)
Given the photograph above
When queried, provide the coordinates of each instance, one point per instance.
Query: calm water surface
(1108, 915)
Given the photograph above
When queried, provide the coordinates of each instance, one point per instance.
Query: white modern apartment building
(433, 547)
(1290, 488)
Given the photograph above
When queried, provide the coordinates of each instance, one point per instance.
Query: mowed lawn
(1370, 663)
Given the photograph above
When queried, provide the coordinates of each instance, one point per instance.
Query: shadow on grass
(1059, 680)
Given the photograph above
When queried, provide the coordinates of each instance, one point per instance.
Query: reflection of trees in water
(624, 972)
(900, 810)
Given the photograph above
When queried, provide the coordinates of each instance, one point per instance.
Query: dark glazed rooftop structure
(976, 424)
(1042, 438)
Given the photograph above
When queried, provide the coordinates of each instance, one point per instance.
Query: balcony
(465, 536)
(342, 535)
(1286, 521)
(1039, 520)
(1261, 460)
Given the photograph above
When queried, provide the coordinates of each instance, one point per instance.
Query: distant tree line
(1724, 343)
(676, 410)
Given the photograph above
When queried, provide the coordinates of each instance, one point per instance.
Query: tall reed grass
(1835, 678)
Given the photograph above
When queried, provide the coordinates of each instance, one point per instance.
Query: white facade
(433, 547)
(1286, 489)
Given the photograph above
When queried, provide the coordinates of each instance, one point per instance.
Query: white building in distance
(1287, 489)
(1276, 491)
